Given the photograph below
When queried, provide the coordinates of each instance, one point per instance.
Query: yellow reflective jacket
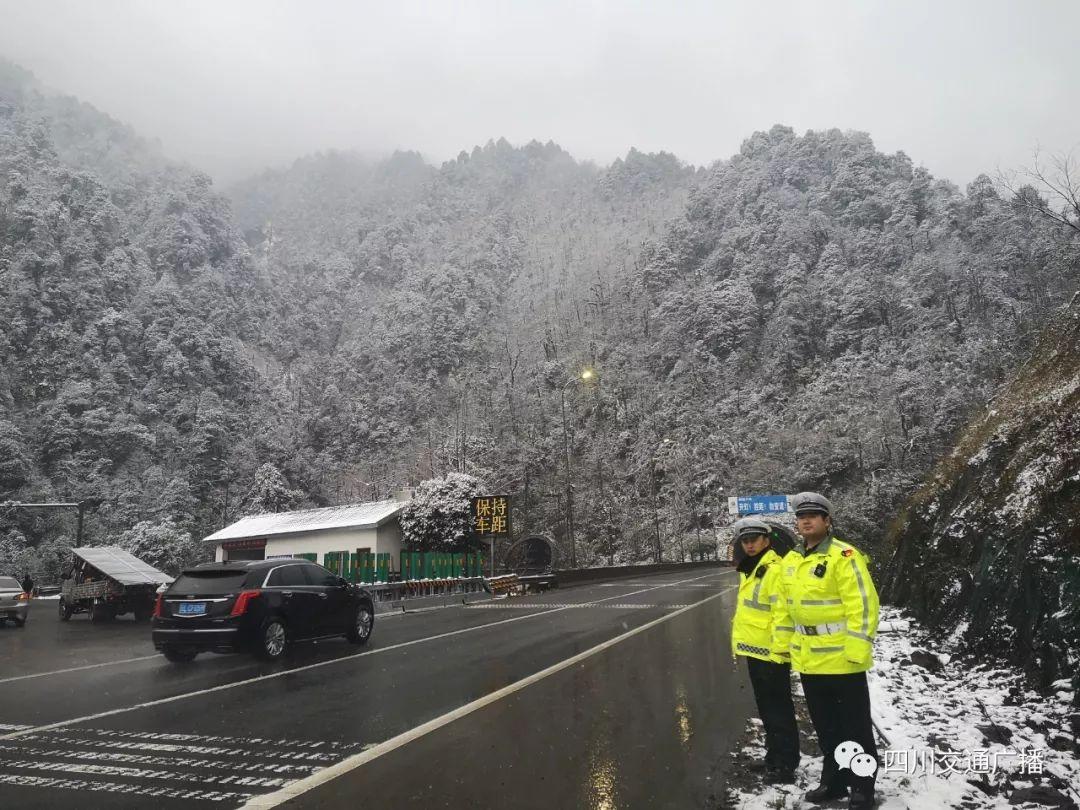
(827, 613)
(751, 628)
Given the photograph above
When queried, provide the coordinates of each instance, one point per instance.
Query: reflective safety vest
(827, 613)
(751, 629)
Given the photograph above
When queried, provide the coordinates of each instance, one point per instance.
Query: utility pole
(586, 375)
(569, 484)
(656, 509)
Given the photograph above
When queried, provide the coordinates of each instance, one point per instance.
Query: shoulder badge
(847, 552)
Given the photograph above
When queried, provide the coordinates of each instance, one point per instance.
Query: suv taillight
(242, 600)
(158, 604)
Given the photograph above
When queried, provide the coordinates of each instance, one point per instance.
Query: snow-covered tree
(438, 516)
(12, 549)
(163, 545)
(14, 461)
(270, 492)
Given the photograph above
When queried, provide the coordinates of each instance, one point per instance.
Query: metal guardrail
(509, 583)
(505, 584)
(417, 588)
(619, 571)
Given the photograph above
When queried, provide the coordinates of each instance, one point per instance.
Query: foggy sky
(232, 86)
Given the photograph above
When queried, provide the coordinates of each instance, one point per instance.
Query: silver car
(14, 604)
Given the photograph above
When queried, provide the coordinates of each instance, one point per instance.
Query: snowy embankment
(953, 733)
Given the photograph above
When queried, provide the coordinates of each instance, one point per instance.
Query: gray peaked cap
(811, 502)
(749, 525)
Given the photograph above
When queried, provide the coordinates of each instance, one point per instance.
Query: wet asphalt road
(645, 722)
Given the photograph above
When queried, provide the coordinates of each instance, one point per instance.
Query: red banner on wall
(242, 545)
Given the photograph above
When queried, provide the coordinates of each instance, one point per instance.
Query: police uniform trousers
(839, 707)
(772, 691)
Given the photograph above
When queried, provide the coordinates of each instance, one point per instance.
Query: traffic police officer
(825, 620)
(751, 638)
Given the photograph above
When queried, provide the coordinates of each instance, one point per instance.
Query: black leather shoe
(776, 776)
(861, 800)
(757, 766)
(826, 793)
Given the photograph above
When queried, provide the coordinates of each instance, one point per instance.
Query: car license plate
(192, 608)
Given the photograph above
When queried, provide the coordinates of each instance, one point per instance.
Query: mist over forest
(808, 313)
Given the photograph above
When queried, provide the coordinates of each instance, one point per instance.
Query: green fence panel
(459, 566)
(476, 568)
(367, 568)
(311, 557)
(383, 568)
(336, 561)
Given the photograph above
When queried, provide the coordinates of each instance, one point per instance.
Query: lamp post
(585, 376)
(658, 555)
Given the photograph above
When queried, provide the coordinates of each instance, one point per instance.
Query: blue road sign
(758, 504)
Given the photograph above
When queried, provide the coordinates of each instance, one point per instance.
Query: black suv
(257, 605)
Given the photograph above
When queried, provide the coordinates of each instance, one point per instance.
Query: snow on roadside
(960, 734)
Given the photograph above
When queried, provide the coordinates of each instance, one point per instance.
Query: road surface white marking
(97, 755)
(169, 766)
(77, 669)
(302, 786)
(204, 750)
(178, 737)
(121, 787)
(84, 769)
(259, 678)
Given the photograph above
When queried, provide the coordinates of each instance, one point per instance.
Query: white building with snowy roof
(313, 534)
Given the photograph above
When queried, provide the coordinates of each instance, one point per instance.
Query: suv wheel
(179, 655)
(272, 640)
(363, 622)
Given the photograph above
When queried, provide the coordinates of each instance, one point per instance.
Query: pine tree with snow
(270, 492)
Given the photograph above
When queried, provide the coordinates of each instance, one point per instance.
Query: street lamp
(584, 376)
